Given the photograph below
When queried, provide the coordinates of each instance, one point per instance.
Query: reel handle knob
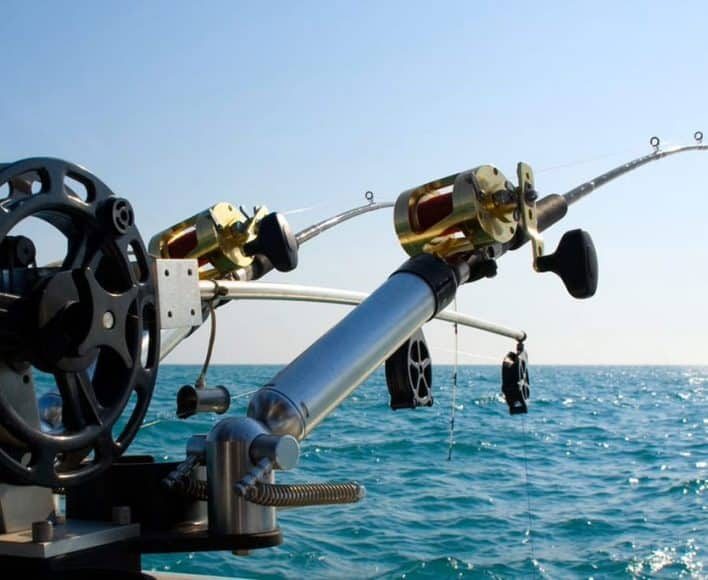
(575, 262)
(276, 242)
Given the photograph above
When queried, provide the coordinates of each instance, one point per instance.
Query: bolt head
(108, 320)
(287, 452)
(531, 196)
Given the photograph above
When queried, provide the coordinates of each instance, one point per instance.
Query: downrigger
(82, 337)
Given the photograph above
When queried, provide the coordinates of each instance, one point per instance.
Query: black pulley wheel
(409, 374)
(515, 382)
(88, 320)
(276, 242)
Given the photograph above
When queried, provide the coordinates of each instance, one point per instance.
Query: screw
(108, 320)
(531, 195)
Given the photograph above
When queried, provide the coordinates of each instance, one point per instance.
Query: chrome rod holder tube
(241, 453)
(301, 395)
(228, 455)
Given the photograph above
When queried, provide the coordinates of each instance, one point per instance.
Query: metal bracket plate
(179, 300)
(72, 536)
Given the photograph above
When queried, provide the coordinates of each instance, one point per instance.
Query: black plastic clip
(409, 375)
(515, 380)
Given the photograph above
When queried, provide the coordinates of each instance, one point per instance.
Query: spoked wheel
(88, 320)
(409, 374)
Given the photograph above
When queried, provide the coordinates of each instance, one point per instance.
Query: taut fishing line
(585, 161)
(453, 403)
(467, 354)
(162, 417)
(528, 495)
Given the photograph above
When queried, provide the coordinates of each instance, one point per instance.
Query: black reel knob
(515, 381)
(409, 374)
(575, 261)
(88, 321)
(276, 242)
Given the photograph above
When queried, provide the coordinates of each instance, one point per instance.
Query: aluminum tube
(294, 292)
(301, 395)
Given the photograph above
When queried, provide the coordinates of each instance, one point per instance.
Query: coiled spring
(285, 495)
(307, 494)
(195, 488)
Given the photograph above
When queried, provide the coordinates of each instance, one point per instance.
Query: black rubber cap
(437, 273)
(276, 242)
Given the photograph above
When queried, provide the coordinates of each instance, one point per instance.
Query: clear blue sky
(291, 104)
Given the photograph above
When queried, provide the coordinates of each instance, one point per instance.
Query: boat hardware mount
(98, 322)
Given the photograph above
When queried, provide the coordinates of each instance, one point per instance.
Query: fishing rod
(98, 322)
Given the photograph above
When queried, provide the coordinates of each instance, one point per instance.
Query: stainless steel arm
(228, 289)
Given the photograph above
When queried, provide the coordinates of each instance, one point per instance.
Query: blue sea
(606, 477)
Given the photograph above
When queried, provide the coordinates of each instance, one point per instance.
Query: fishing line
(303, 209)
(582, 161)
(171, 417)
(528, 495)
(467, 354)
(451, 442)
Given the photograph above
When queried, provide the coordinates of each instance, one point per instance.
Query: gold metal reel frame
(216, 237)
(458, 214)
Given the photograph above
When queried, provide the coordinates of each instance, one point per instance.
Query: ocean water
(606, 477)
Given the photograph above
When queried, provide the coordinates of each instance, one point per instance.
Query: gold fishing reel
(466, 211)
(223, 239)
(480, 209)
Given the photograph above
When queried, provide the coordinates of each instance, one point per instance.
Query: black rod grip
(549, 210)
